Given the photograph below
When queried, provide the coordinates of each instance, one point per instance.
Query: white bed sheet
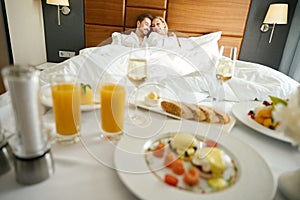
(183, 71)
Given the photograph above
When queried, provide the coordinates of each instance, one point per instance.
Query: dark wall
(6, 57)
(255, 46)
(69, 36)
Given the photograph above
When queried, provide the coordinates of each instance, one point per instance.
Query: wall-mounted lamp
(64, 3)
(277, 14)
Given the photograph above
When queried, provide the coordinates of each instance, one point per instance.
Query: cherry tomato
(171, 180)
(191, 177)
(178, 167)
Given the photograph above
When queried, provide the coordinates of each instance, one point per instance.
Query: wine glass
(137, 71)
(137, 75)
(225, 64)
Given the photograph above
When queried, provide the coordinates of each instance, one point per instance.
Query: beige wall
(26, 28)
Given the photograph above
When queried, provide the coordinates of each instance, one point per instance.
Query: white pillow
(209, 43)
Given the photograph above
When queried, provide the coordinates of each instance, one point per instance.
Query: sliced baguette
(211, 116)
(198, 114)
(177, 108)
(214, 115)
(224, 118)
(195, 112)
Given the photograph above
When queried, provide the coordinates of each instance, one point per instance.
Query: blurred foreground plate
(254, 181)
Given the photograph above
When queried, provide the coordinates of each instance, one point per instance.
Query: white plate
(255, 180)
(240, 111)
(46, 99)
(166, 95)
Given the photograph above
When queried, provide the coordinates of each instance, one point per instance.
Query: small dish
(152, 99)
(240, 111)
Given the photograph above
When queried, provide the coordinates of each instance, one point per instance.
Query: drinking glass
(66, 108)
(137, 75)
(137, 71)
(225, 63)
(113, 96)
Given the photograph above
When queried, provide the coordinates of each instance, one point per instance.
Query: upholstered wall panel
(158, 4)
(105, 12)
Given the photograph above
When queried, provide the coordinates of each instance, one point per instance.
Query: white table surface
(82, 174)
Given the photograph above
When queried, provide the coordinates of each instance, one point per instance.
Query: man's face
(144, 26)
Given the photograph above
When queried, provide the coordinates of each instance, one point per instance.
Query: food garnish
(262, 114)
(181, 159)
(210, 162)
(153, 95)
(152, 99)
(184, 144)
(191, 176)
(159, 150)
(86, 94)
(171, 180)
(276, 100)
(217, 183)
(178, 167)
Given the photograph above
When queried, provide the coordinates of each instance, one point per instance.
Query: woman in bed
(159, 25)
(160, 37)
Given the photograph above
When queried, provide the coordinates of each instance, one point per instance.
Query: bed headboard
(186, 16)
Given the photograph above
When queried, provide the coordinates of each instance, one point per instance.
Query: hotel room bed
(90, 164)
(191, 65)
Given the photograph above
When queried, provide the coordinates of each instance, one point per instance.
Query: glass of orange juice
(66, 108)
(113, 95)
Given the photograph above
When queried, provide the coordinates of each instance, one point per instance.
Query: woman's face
(158, 26)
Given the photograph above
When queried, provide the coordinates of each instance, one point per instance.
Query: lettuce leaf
(277, 100)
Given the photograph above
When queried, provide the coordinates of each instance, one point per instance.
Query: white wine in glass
(225, 63)
(137, 74)
(137, 71)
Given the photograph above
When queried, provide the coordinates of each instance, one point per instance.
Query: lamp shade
(277, 14)
(58, 2)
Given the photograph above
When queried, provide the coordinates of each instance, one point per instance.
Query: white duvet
(185, 72)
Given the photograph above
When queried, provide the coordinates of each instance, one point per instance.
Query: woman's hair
(163, 21)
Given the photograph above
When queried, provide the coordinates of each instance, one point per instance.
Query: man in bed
(143, 24)
(137, 37)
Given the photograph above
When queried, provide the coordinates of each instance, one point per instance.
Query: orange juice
(66, 108)
(112, 107)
